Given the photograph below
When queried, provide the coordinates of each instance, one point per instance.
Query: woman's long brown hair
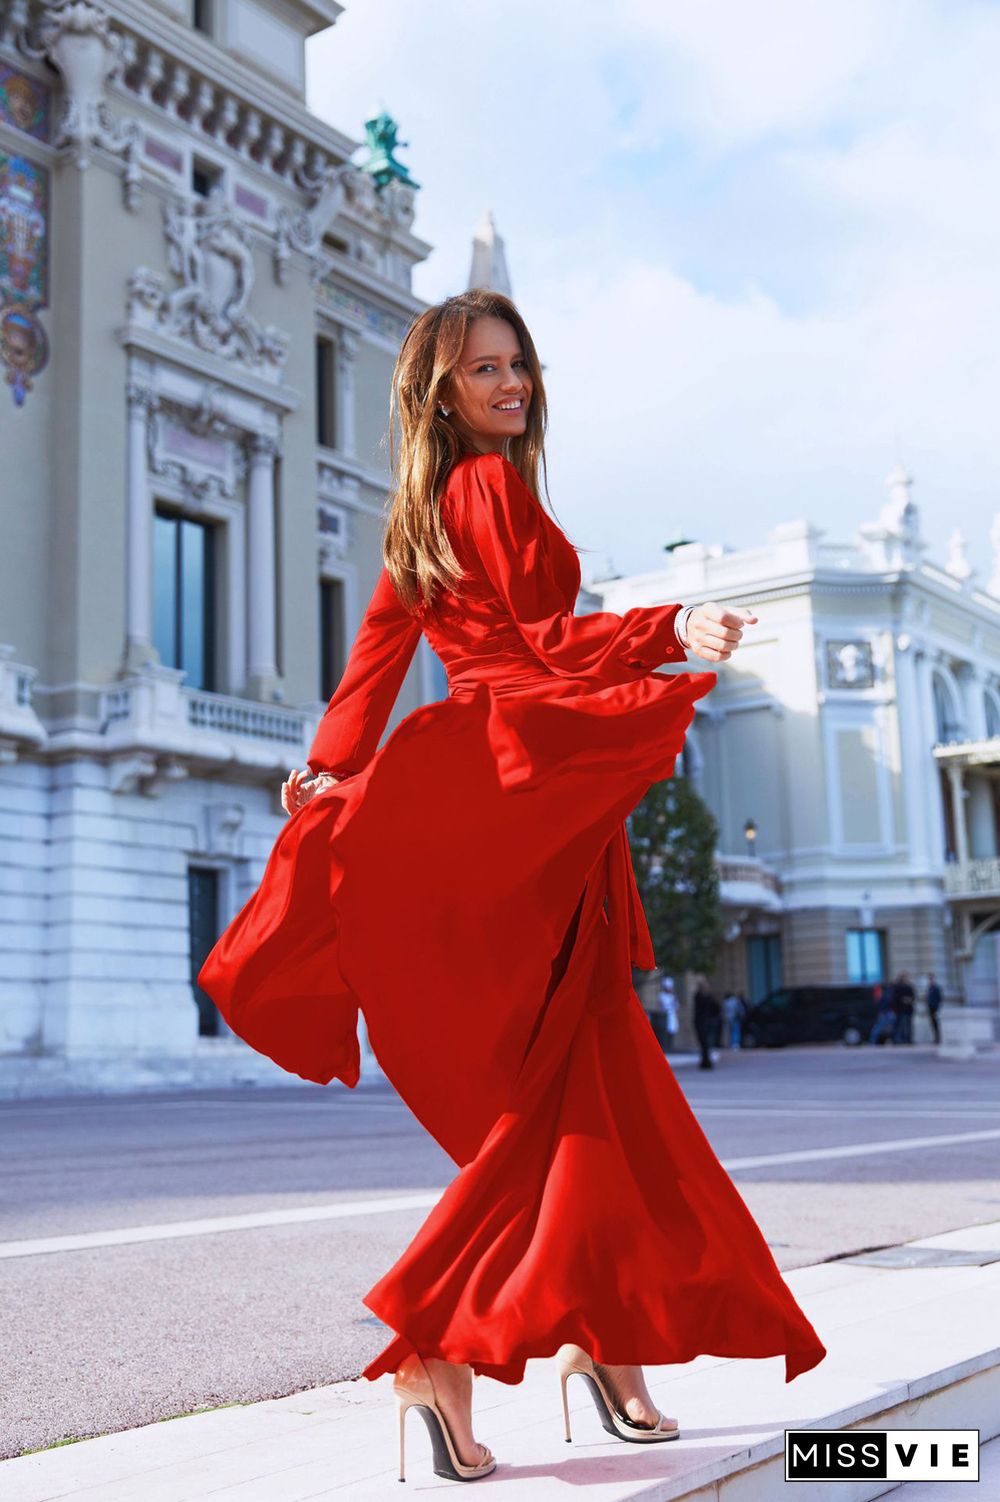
(415, 547)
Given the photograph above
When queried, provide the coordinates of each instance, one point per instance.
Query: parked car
(811, 1014)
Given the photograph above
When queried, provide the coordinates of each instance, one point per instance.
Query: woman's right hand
(300, 787)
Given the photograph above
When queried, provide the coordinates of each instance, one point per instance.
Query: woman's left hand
(715, 630)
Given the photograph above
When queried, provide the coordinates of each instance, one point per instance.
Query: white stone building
(855, 738)
(201, 301)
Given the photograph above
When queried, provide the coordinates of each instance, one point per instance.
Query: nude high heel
(572, 1359)
(414, 1389)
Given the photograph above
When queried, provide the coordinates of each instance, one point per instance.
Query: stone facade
(855, 737)
(202, 297)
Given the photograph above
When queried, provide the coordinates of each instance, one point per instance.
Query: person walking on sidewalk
(733, 1012)
(933, 999)
(668, 1001)
(468, 885)
(905, 997)
(885, 1012)
(707, 1013)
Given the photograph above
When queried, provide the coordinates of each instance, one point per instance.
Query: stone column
(957, 779)
(914, 755)
(139, 650)
(262, 567)
(348, 345)
(929, 771)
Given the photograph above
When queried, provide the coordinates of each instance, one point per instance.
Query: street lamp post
(750, 834)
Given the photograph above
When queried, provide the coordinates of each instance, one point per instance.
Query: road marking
(345, 1209)
(860, 1149)
(211, 1224)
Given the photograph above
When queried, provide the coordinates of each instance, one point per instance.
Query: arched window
(947, 725)
(992, 715)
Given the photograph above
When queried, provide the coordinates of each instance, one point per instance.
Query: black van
(811, 1014)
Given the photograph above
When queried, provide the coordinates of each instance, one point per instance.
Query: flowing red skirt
(471, 890)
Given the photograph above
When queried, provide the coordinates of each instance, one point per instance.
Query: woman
(482, 850)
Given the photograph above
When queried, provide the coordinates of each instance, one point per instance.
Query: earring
(445, 411)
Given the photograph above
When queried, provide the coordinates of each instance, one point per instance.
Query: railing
(230, 716)
(752, 871)
(971, 878)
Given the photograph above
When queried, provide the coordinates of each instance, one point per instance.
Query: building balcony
(973, 878)
(153, 729)
(20, 727)
(745, 881)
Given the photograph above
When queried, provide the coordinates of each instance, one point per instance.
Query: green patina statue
(381, 132)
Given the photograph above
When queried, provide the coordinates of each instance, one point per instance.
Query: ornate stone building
(201, 300)
(851, 756)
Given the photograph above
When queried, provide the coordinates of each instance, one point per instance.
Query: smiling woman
(469, 887)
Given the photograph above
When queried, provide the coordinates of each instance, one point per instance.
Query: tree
(673, 838)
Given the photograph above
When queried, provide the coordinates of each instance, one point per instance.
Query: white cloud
(742, 326)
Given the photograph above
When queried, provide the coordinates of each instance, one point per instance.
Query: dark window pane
(193, 601)
(165, 589)
(203, 930)
(325, 434)
(331, 636)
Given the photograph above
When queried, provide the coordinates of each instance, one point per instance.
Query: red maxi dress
(469, 887)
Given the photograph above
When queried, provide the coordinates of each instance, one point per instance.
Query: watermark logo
(882, 1454)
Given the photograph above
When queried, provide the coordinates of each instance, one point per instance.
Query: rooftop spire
(489, 263)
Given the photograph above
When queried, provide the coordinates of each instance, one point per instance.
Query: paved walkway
(908, 1348)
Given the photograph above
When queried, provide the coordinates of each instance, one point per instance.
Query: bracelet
(681, 631)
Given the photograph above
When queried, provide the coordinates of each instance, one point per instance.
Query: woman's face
(490, 388)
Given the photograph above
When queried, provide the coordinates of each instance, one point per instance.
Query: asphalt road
(139, 1324)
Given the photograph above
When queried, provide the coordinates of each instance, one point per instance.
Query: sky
(758, 246)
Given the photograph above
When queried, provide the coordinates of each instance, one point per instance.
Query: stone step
(909, 1347)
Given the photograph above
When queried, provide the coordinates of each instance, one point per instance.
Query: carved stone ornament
(849, 664)
(209, 252)
(303, 230)
(75, 36)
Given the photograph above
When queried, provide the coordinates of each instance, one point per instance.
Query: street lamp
(750, 834)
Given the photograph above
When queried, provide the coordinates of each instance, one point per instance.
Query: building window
(439, 675)
(201, 16)
(946, 721)
(331, 636)
(866, 954)
(763, 965)
(992, 717)
(184, 597)
(203, 930)
(204, 177)
(325, 421)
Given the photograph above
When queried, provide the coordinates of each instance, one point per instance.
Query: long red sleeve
(348, 734)
(508, 528)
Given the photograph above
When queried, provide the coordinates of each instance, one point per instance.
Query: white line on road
(860, 1149)
(344, 1209)
(207, 1227)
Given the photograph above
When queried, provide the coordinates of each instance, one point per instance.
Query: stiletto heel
(564, 1378)
(414, 1389)
(403, 1406)
(615, 1420)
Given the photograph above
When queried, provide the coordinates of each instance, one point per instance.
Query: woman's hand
(297, 791)
(714, 630)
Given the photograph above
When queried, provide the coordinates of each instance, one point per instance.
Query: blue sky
(758, 246)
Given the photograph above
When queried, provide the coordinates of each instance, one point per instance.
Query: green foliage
(673, 838)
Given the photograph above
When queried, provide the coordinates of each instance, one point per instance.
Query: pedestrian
(733, 1012)
(469, 886)
(707, 1014)
(905, 996)
(933, 998)
(668, 1001)
(885, 1013)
